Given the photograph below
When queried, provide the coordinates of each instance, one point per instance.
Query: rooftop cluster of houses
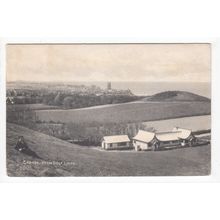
(22, 95)
(145, 140)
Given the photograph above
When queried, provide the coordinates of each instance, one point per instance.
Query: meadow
(24, 107)
(125, 113)
(195, 123)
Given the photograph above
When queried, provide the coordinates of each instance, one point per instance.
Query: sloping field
(194, 123)
(127, 112)
(59, 158)
(22, 107)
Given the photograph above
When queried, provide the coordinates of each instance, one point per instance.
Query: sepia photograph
(108, 109)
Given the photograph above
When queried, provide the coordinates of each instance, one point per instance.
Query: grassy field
(59, 158)
(21, 107)
(127, 112)
(194, 123)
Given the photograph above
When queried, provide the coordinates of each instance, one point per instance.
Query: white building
(115, 142)
(145, 140)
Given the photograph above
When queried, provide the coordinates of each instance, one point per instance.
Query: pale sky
(109, 62)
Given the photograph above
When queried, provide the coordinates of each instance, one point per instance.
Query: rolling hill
(177, 96)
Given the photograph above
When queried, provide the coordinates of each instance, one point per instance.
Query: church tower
(109, 86)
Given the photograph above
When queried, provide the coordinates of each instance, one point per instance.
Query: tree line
(81, 101)
(88, 134)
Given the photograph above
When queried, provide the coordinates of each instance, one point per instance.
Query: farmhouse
(145, 140)
(115, 142)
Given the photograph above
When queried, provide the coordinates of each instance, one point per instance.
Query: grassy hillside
(127, 112)
(22, 107)
(176, 96)
(60, 158)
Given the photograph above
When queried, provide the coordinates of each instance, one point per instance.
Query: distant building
(115, 142)
(145, 140)
(109, 86)
(10, 100)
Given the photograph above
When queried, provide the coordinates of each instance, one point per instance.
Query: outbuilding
(115, 142)
(185, 136)
(145, 140)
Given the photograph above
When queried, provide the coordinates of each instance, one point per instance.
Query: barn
(115, 142)
(145, 140)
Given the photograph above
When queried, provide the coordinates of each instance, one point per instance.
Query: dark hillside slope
(177, 96)
(60, 158)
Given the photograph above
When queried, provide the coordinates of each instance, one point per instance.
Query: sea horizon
(138, 87)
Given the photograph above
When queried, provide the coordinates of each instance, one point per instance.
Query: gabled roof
(185, 133)
(175, 134)
(144, 136)
(116, 139)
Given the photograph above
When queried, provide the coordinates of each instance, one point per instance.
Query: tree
(67, 102)
(76, 131)
(57, 100)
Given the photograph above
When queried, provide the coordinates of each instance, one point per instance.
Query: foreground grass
(73, 160)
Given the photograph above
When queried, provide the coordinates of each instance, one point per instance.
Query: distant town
(67, 95)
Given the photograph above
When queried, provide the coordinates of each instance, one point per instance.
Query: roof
(175, 134)
(185, 133)
(168, 136)
(116, 139)
(144, 136)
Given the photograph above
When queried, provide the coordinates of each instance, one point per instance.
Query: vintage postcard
(108, 109)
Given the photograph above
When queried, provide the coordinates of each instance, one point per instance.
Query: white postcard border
(215, 149)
